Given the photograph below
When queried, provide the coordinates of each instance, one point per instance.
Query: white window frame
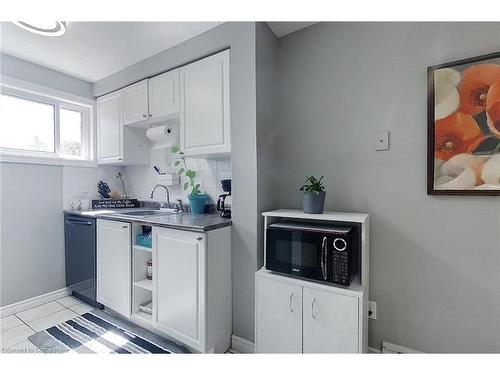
(86, 131)
(60, 100)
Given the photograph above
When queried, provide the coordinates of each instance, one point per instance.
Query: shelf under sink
(144, 284)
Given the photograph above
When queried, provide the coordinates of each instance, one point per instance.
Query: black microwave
(313, 251)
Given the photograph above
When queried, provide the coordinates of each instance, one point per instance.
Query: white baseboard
(29, 303)
(390, 348)
(242, 345)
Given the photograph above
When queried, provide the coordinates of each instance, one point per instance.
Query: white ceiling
(94, 50)
(283, 28)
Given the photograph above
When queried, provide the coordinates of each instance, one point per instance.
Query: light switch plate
(381, 140)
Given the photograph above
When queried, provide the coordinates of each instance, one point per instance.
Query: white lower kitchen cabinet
(330, 322)
(279, 314)
(299, 316)
(192, 287)
(113, 265)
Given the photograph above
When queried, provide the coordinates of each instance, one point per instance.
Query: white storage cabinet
(135, 102)
(279, 316)
(164, 96)
(152, 100)
(192, 287)
(204, 107)
(118, 144)
(295, 315)
(113, 265)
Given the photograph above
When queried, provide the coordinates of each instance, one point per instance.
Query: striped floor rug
(100, 332)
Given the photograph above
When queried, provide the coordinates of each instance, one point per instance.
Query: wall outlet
(372, 310)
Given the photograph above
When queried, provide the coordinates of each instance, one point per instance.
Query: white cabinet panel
(118, 144)
(179, 285)
(109, 128)
(135, 102)
(330, 322)
(113, 265)
(164, 95)
(279, 317)
(204, 106)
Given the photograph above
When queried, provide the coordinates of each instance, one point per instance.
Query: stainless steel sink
(142, 213)
(145, 213)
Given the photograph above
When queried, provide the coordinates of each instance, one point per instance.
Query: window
(70, 130)
(26, 125)
(38, 126)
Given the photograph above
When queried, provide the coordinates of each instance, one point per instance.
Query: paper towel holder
(163, 136)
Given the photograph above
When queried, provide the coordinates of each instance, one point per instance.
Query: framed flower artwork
(463, 142)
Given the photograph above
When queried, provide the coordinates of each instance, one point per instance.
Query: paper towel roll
(162, 136)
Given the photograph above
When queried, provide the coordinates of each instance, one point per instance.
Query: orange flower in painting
(456, 134)
(493, 108)
(473, 89)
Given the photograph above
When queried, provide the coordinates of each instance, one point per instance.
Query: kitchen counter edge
(214, 221)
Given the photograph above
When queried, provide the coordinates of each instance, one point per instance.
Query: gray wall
(32, 197)
(21, 69)
(434, 260)
(240, 37)
(266, 53)
(32, 251)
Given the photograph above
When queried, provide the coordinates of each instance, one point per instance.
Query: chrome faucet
(166, 189)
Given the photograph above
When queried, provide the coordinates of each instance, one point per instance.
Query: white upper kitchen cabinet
(204, 107)
(117, 144)
(135, 102)
(164, 96)
(109, 128)
(114, 265)
(152, 100)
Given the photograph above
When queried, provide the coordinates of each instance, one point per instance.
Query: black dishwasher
(80, 249)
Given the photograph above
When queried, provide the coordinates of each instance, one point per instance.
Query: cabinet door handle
(79, 222)
(125, 226)
(290, 302)
(199, 238)
(144, 116)
(312, 308)
(324, 268)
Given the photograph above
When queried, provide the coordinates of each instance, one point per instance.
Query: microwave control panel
(340, 266)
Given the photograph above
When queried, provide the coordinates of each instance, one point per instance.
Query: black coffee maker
(224, 211)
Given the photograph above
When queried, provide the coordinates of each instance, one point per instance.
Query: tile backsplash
(81, 183)
(140, 180)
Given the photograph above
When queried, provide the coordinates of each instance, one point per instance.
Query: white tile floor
(16, 328)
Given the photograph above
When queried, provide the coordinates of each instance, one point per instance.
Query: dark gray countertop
(183, 221)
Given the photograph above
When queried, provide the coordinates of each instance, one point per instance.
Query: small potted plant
(314, 195)
(197, 200)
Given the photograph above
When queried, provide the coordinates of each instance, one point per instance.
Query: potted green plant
(313, 200)
(197, 200)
